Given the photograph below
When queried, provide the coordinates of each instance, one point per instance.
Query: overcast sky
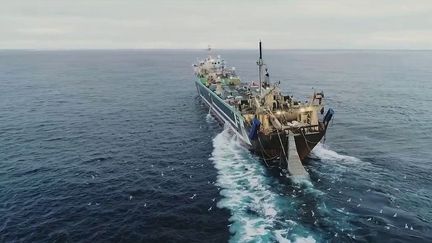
(287, 24)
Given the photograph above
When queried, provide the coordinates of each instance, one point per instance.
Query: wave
(321, 151)
(210, 118)
(255, 211)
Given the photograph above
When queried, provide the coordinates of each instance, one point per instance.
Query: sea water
(101, 146)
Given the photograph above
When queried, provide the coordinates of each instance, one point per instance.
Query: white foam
(321, 151)
(307, 184)
(246, 193)
(282, 239)
(210, 118)
(301, 180)
(308, 239)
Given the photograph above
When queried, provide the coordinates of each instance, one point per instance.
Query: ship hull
(223, 112)
(306, 144)
(272, 147)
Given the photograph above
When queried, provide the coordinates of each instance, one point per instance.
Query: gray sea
(115, 146)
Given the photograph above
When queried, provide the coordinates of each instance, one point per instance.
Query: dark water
(114, 146)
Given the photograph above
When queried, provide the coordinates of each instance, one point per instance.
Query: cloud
(398, 39)
(223, 24)
(42, 31)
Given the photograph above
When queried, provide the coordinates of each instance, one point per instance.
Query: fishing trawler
(275, 126)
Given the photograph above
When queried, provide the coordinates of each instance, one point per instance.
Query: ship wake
(338, 163)
(321, 151)
(256, 209)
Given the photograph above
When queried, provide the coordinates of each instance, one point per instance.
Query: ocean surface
(115, 146)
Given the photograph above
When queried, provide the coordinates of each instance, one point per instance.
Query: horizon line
(213, 49)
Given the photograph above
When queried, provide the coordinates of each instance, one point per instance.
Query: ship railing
(310, 129)
(298, 130)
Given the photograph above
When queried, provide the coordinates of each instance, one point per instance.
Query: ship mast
(260, 64)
